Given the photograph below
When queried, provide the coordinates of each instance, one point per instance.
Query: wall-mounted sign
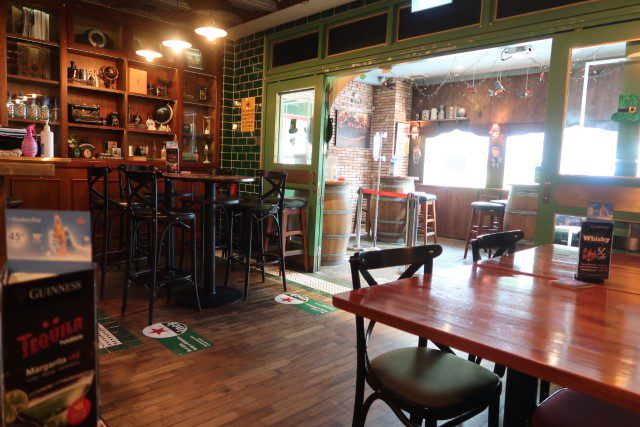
(418, 5)
(248, 115)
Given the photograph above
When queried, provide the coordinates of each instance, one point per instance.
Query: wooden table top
(587, 339)
(207, 177)
(561, 262)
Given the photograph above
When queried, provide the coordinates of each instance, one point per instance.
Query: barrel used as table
(522, 209)
(336, 223)
(392, 220)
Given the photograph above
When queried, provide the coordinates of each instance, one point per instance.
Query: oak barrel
(522, 209)
(336, 223)
(392, 220)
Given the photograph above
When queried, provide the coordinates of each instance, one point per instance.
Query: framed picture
(193, 59)
(202, 94)
(353, 128)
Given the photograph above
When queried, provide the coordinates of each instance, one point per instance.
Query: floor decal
(112, 337)
(177, 337)
(305, 303)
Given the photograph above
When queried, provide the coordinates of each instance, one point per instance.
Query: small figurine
(151, 125)
(137, 120)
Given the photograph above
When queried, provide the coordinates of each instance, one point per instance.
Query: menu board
(596, 240)
(248, 115)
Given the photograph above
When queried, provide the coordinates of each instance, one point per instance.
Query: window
(295, 128)
(456, 159)
(591, 141)
(523, 156)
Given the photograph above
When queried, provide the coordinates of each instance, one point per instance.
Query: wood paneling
(38, 193)
(625, 199)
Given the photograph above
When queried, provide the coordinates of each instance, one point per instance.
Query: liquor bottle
(129, 116)
(45, 111)
(72, 71)
(55, 111)
(33, 111)
(21, 107)
(11, 107)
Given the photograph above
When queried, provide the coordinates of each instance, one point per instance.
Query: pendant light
(177, 44)
(149, 54)
(211, 32)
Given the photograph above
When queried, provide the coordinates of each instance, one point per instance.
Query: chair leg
(106, 230)
(545, 390)
(416, 419)
(494, 412)
(469, 232)
(435, 223)
(247, 268)
(305, 249)
(154, 270)
(230, 223)
(127, 270)
(281, 240)
(194, 266)
(262, 242)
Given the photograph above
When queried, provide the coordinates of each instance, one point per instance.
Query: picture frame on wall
(202, 94)
(193, 59)
(353, 128)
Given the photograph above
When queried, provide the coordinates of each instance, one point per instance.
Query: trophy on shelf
(206, 125)
(205, 152)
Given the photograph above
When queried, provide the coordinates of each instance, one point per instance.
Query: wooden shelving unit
(67, 21)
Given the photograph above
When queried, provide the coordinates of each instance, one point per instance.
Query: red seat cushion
(568, 408)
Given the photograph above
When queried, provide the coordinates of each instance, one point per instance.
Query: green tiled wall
(243, 72)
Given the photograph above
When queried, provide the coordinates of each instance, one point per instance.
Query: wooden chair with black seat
(427, 384)
(104, 211)
(145, 210)
(568, 408)
(269, 204)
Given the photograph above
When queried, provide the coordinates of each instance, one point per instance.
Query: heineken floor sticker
(305, 303)
(177, 337)
(112, 336)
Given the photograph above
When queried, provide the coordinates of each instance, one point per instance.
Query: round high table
(210, 296)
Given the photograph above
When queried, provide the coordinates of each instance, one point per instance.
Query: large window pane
(524, 155)
(295, 128)
(591, 140)
(456, 159)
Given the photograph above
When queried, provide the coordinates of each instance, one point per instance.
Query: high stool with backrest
(427, 218)
(428, 384)
(293, 207)
(568, 408)
(106, 210)
(253, 215)
(142, 188)
(478, 225)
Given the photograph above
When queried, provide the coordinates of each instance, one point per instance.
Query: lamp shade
(211, 32)
(177, 45)
(148, 54)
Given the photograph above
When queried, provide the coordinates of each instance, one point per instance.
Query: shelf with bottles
(32, 108)
(95, 74)
(32, 80)
(31, 121)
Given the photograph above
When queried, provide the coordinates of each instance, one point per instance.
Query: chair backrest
(629, 244)
(122, 169)
(98, 181)
(142, 190)
(497, 244)
(277, 181)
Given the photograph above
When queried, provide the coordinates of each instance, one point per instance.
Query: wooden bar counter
(67, 189)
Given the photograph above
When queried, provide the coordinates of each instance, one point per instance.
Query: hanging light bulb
(149, 54)
(177, 44)
(211, 32)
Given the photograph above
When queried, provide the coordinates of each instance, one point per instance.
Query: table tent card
(596, 241)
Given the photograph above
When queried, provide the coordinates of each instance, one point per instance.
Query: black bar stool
(104, 211)
(478, 225)
(253, 214)
(144, 209)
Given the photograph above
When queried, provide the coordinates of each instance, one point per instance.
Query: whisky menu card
(596, 240)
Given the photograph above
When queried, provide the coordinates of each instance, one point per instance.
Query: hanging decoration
(527, 93)
(628, 109)
(472, 87)
(499, 88)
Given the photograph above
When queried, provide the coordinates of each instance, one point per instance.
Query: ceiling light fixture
(177, 45)
(148, 54)
(211, 32)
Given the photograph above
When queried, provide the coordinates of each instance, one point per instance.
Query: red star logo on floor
(158, 331)
(287, 299)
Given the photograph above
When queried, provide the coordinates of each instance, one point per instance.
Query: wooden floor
(271, 364)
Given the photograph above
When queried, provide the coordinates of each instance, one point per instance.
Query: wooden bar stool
(480, 213)
(293, 206)
(427, 216)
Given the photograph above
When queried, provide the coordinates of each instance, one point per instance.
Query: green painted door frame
(305, 179)
(556, 109)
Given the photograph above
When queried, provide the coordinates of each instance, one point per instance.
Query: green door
(590, 155)
(294, 142)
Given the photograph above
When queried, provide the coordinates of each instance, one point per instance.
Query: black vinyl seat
(428, 384)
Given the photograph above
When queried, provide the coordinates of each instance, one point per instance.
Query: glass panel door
(295, 127)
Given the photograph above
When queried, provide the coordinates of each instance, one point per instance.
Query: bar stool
(293, 206)
(101, 206)
(145, 210)
(253, 215)
(480, 212)
(427, 218)
(366, 219)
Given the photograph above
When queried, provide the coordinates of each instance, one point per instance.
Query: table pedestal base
(223, 296)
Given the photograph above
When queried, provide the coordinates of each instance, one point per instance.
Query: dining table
(210, 295)
(559, 262)
(586, 338)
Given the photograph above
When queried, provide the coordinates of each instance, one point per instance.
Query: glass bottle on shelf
(11, 107)
(33, 111)
(45, 112)
(21, 107)
(55, 111)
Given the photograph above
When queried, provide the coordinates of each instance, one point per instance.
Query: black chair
(144, 209)
(496, 244)
(428, 384)
(104, 211)
(253, 214)
(628, 244)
